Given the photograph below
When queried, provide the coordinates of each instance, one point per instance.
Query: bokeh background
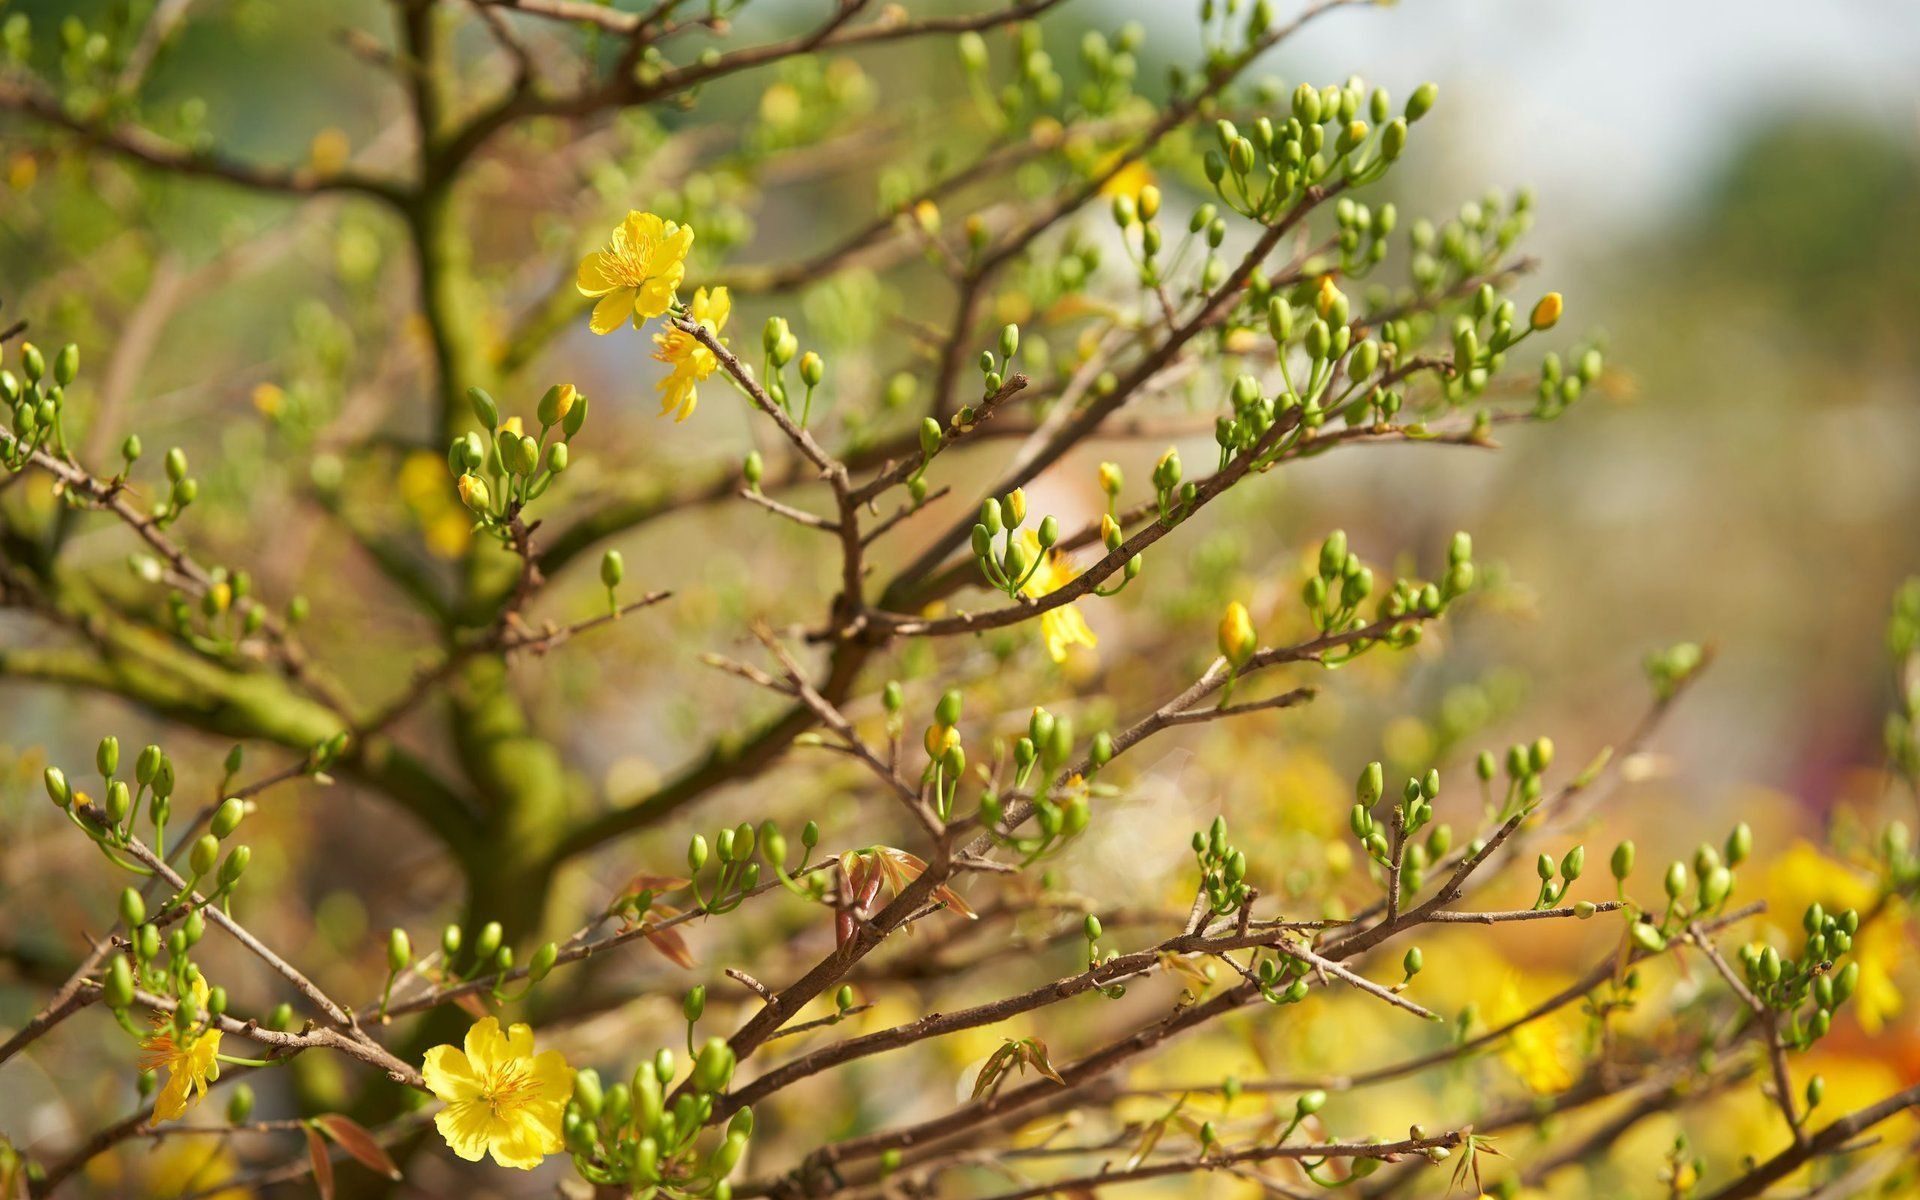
(1728, 193)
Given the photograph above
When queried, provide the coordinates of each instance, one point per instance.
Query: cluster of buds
(150, 962)
(1342, 130)
(1691, 895)
(1483, 335)
(1341, 584)
(738, 873)
(1810, 988)
(1363, 234)
(644, 1136)
(1011, 565)
(1223, 869)
(1560, 384)
(993, 372)
(780, 347)
(1469, 244)
(501, 468)
(1526, 765)
(946, 757)
(1556, 880)
(37, 398)
(1062, 806)
(1390, 843)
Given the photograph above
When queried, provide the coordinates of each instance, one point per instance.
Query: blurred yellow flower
(188, 1057)
(636, 274)
(691, 361)
(1536, 1051)
(500, 1095)
(1063, 626)
(1128, 180)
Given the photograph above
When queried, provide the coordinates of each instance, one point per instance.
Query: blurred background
(1728, 194)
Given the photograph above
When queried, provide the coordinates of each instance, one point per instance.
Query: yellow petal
(449, 1074)
(655, 296)
(487, 1046)
(467, 1127)
(172, 1100)
(642, 228)
(719, 307)
(594, 279)
(552, 1077)
(522, 1140)
(610, 312)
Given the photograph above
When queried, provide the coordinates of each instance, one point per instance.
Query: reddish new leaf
(322, 1163)
(355, 1140)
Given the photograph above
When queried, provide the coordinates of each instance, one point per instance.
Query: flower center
(626, 262)
(510, 1089)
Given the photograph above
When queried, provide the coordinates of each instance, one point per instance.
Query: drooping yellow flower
(500, 1095)
(691, 361)
(637, 273)
(188, 1057)
(1063, 626)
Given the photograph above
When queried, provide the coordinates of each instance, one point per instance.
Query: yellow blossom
(1129, 180)
(500, 1096)
(690, 359)
(188, 1057)
(268, 398)
(1063, 626)
(1537, 1050)
(637, 273)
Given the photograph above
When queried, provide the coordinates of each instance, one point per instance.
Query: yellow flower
(1129, 180)
(1237, 637)
(691, 360)
(637, 273)
(1063, 626)
(1536, 1051)
(500, 1095)
(188, 1057)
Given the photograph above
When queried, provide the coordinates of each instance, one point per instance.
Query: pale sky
(1610, 108)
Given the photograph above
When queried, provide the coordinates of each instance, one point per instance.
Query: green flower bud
(107, 756)
(947, 711)
(1622, 860)
(57, 789)
(1676, 881)
(1739, 844)
(587, 1092)
(1647, 937)
(613, 568)
(133, 909)
(812, 369)
(1413, 961)
(235, 865)
(1091, 927)
(931, 437)
(487, 942)
(714, 1066)
(695, 1003)
(399, 951)
(1573, 863)
(1421, 102)
(204, 855)
(485, 410)
(226, 818)
(116, 987)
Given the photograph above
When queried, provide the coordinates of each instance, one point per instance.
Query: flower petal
(611, 310)
(655, 295)
(467, 1127)
(486, 1047)
(449, 1074)
(594, 278)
